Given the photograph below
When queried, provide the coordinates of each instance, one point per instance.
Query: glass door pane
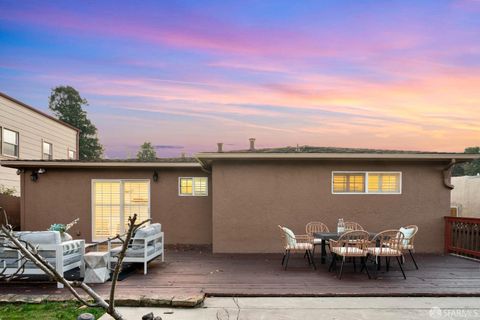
(106, 209)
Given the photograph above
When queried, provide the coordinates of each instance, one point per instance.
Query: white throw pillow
(291, 240)
(408, 233)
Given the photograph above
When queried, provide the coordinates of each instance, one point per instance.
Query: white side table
(96, 267)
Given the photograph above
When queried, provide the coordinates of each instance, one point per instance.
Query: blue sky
(187, 74)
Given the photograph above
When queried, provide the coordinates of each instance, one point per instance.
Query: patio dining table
(326, 236)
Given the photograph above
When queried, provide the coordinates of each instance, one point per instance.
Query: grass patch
(45, 311)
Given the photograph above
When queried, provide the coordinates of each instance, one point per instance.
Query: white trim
(366, 173)
(122, 204)
(193, 187)
(74, 154)
(2, 140)
(51, 149)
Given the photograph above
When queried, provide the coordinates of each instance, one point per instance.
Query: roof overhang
(206, 158)
(19, 164)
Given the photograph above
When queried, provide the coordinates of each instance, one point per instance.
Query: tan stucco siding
(33, 128)
(60, 195)
(251, 198)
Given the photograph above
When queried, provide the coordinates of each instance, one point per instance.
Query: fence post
(448, 235)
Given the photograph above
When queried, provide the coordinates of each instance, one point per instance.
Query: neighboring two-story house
(29, 134)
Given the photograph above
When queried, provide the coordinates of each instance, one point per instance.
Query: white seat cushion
(351, 251)
(383, 251)
(300, 246)
(134, 252)
(317, 241)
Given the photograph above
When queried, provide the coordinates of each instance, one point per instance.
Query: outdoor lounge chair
(387, 244)
(409, 233)
(351, 244)
(313, 227)
(296, 243)
(352, 226)
(63, 256)
(146, 245)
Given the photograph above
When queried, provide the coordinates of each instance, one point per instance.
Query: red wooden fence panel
(462, 236)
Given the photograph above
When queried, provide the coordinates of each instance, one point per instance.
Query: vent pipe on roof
(252, 144)
(219, 147)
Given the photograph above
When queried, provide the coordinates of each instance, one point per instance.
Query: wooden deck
(194, 272)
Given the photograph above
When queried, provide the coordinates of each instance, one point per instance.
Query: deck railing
(462, 236)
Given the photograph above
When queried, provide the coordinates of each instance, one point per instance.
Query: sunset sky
(188, 74)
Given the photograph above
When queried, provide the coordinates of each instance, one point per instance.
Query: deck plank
(192, 272)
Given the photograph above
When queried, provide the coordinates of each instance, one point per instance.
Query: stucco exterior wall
(466, 195)
(61, 195)
(251, 198)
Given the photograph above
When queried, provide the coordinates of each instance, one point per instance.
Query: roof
(37, 111)
(313, 149)
(332, 153)
(183, 162)
(205, 159)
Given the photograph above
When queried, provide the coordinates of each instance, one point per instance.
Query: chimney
(252, 144)
(220, 147)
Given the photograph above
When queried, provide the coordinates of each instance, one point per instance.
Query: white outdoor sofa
(63, 256)
(146, 245)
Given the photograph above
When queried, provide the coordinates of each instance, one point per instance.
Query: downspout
(204, 166)
(447, 174)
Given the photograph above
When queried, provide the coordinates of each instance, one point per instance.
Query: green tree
(471, 168)
(66, 103)
(146, 152)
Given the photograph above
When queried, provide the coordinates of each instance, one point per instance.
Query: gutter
(75, 164)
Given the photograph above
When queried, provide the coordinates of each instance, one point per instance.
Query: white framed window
(193, 186)
(366, 182)
(47, 150)
(10, 143)
(71, 154)
(113, 201)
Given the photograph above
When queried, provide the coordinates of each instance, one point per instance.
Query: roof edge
(38, 111)
(336, 156)
(18, 164)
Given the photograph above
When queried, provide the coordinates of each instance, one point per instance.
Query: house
(27, 133)
(235, 200)
(465, 196)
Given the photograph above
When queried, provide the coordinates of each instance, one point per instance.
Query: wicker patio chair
(311, 228)
(352, 226)
(351, 244)
(409, 233)
(296, 243)
(387, 244)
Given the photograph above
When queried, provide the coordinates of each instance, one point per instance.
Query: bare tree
(28, 252)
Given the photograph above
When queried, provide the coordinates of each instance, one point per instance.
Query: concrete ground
(318, 308)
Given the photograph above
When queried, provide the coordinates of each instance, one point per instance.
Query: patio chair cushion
(317, 241)
(408, 233)
(290, 237)
(301, 246)
(134, 252)
(351, 251)
(145, 232)
(40, 237)
(384, 251)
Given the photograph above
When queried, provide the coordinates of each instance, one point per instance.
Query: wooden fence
(462, 236)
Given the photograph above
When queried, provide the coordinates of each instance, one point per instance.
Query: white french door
(113, 201)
